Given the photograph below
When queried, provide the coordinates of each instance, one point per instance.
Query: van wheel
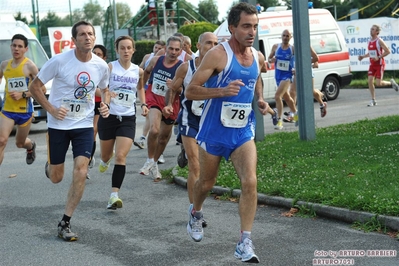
(331, 88)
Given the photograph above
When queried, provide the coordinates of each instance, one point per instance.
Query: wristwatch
(23, 94)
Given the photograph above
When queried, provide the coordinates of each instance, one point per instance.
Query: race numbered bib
(76, 108)
(373, 54)
(197, 107)
(283, 65)
(159, 88)
(124, 97)
(17, 84)
(235, 115)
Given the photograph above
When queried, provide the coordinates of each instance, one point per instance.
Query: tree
(208, 9)
(268, 3)
(77, 15)
(19, 17)
(123, 13)
(93, 13)
(50, 20)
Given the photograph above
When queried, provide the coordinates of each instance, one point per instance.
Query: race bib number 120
(17, 84)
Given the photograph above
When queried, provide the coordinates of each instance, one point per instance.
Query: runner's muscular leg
(244, 159)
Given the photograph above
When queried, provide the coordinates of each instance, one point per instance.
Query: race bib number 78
(235, 115)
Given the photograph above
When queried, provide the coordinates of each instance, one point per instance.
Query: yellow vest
(16, 81)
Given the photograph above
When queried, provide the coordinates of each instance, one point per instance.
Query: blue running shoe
(274, 117)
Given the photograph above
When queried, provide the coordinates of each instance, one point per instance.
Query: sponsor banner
(357, 35)
(61, 39)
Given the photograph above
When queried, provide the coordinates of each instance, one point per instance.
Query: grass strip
(349, 165)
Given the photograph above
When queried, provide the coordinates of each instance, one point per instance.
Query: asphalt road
(150, 229)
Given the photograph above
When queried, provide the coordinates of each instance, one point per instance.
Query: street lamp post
(335, 10)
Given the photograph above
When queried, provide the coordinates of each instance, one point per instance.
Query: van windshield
(35, 52)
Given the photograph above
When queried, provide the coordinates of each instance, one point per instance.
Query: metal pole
(38, 22)
(259, 128)
(303, 72)
(335, 12)
(164, 19)
(115, 17)
(70, 12)
(34, 13)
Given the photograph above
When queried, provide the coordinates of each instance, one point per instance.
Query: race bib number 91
(235, 115)
(124, 97)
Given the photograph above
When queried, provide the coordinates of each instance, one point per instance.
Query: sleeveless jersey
(148, 60)
(190, 112)
(228, 118)
(182, 56)
(123, 82)
(16, 81)
(155, 94)
(284, 63)
(375, 50)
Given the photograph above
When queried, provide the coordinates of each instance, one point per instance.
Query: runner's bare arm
(214, 62)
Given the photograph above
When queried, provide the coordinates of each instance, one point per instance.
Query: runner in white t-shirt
(76, 74)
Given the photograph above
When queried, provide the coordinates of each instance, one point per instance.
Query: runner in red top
(377, 50)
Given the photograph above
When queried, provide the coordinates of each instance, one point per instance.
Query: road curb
(336, 213)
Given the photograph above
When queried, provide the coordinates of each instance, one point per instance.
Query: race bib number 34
(159, 88)
(235, 115)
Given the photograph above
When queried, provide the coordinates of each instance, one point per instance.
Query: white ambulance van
(326, 39)
(8, 28)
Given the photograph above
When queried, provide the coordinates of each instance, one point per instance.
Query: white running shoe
(161, 159)
(372, 103)
(140, 144)
(190, 209)
(114, 202)
(156, 175)
(194, 228)
(279, 125)
(245, 251)
(92, 162)
(395, 85)
(145, 170)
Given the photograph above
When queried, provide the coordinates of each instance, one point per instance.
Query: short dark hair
(235, 12)
(80, 23)
(20, 37)
(102, 48)
(174, 39)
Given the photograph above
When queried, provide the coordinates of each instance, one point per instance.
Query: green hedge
(191, 30)
(142, 48)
